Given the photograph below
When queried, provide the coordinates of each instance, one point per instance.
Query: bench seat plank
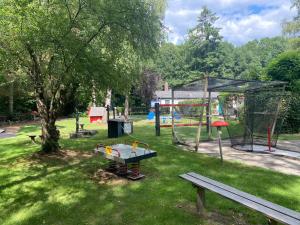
(258, 200)
(273, 214)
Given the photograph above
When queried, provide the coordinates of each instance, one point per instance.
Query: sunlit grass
(54, 192)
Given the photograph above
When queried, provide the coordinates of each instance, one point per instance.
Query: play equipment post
(208, 116)
(107, 109)
(77, 120)
(219, 125)
(198, 135)
(157, 119)
(269, 138)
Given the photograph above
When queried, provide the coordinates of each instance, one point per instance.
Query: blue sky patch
(240, 20)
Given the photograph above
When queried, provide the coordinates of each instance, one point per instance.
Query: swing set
(257, 121)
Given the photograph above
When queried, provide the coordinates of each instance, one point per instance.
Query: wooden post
(77, 120)
(272, 222)
(198, 136)
(173, 119)
(107, 109)
(220, 142)
(276, 116)
(114, 112)
(157, 119)
(208, 116)
(200, 205)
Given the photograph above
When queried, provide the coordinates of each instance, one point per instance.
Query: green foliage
(170, 62)
(203, 43)
(64, 45)
(286, 67)
(293, 27)
(254, 56)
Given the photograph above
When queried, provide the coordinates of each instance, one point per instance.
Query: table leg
(135, 171)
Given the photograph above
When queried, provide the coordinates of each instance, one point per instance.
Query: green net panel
(186, 121)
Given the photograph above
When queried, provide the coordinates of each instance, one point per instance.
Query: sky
(241, 20)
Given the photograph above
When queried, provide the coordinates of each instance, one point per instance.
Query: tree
(62, 43)
(203, 43)
(292, 28)
(286, 67)
(147, 85)
(252, 58)
(170, 63)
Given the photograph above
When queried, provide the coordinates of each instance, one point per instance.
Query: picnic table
(125, 159)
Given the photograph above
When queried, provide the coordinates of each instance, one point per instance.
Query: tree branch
(85, 45)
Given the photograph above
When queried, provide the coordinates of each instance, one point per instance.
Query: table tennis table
(125, 159)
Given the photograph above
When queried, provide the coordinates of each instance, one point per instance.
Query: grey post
(157, 119)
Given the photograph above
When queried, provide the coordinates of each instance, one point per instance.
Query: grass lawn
(56, 191)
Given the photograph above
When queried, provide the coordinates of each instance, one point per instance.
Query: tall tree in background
(292, 28)
(253, 57)
(204, 41)
(286, 67)
(170, 63)
(147, 85)
(58, 43)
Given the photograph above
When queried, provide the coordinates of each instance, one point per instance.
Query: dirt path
(293, 145)
(269, 161)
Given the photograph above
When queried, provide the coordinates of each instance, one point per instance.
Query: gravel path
(275, 162)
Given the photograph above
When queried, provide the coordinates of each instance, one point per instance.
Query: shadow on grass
(64, 194)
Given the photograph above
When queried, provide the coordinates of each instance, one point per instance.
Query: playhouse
(97, 114)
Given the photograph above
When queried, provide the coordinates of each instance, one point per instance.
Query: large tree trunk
(108, 98)
(47, 101)
(50, 134)
(94, 98)
(126, 107)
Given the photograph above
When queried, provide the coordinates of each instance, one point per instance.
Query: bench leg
(272, 222)
(200, 200)
(32, 140)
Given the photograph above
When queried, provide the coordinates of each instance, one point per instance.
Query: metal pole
(220, 142)
(173, 134)
(157, 119)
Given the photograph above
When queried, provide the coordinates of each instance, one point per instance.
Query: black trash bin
(115, 128)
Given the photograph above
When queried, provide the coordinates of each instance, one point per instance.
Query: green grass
(61, 192)
(289, 137)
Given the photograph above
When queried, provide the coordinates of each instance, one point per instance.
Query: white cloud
(240, 20)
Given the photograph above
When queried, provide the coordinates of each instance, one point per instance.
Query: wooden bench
(274, 212)
(32, 137)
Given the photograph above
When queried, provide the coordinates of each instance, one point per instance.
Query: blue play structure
(151, 115)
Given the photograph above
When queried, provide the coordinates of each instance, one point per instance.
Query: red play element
(183, 105)
(182, 125)
(220, 124)
(94, 119)
(96, 114)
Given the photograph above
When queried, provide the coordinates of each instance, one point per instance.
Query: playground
(149, 112)
(39, 189)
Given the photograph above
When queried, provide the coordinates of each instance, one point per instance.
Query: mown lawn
(60, 192)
